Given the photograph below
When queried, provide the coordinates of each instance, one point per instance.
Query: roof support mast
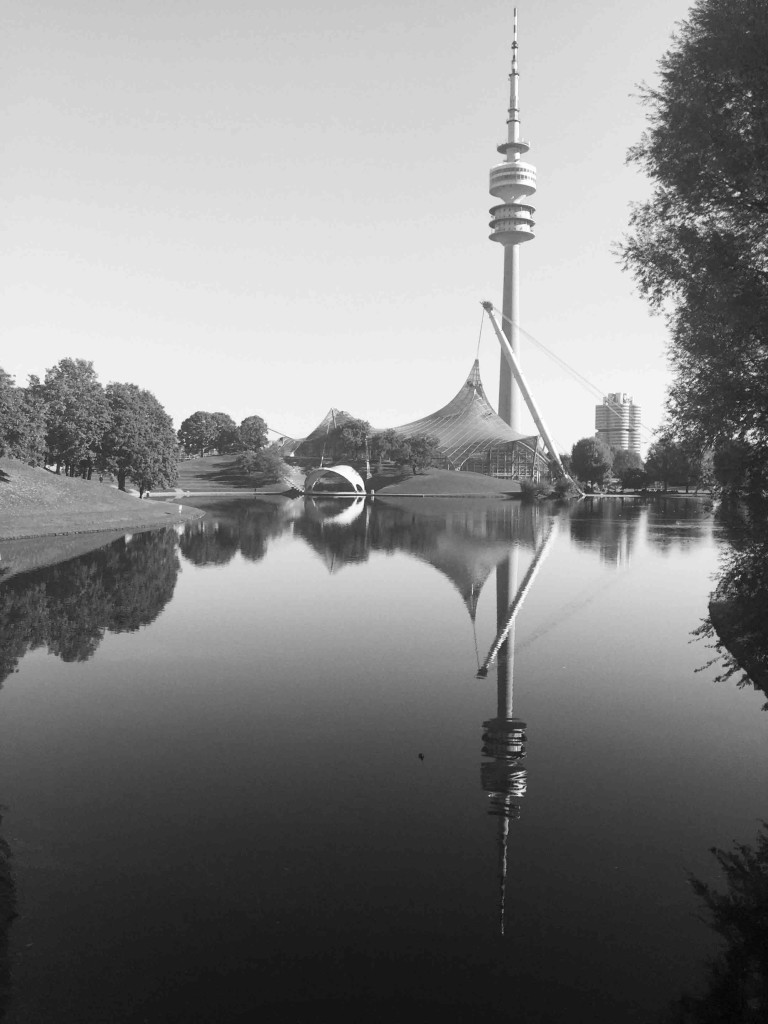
(517, 373)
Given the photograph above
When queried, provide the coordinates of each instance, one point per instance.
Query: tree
(253, 433)
(591, 459)
(139, 443)
(266, 463)
(668, 462)
(22, 420)
(698, 247)
(198, 433)
(227, 437)
(634, 479)
(422, 451)
(353, 439)
(417, 451)
(7, 409)
(384, 443)
(626, 465)
(76, 415)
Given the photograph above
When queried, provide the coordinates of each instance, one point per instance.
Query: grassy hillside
(34, 502)
(221, 473)
(445, 482)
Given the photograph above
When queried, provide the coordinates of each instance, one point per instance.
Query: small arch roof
(347, 473)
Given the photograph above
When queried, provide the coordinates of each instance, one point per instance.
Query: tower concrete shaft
(511, 225)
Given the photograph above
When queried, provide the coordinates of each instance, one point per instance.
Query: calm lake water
(250, 769)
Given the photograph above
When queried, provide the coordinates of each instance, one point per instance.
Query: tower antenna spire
(511, 225)
(514, 87)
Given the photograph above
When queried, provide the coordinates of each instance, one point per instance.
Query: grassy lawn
(443, 482)
(213, 473)
(34, 503)
(221, 473)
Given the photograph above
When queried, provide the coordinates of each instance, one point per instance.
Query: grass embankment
(36, 503)
(444, 483)
(221, 473)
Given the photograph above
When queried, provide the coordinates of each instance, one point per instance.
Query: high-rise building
(617, 422)
(511, 225)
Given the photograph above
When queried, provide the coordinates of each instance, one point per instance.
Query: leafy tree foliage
(625, 462)
(266, 463)
(668, 462)
(139, 443)
(634, 479)
(591, 460)
(253, 433)
(22, 420)
(354, 439)
(7, 408)
(198, 433)
(698, 247)
(77, 415)
(203, 431)
(419, 452)
(227, 434)
(738, 467)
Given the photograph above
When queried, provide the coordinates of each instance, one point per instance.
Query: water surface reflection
(249, 784)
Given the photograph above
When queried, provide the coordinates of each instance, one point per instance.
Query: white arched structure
(347, 473)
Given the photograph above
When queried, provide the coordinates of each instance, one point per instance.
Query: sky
(275, 208)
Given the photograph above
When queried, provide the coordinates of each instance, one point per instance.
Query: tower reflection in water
(502, 774)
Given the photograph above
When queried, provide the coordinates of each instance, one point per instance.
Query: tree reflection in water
(738, 610)
(738, 979)
(68, 607)
(233, 525)
(672, 522)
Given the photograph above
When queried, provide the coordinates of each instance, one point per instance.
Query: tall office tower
(617, 422)
(511, 225)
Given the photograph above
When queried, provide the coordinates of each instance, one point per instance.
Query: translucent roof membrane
(468, 425)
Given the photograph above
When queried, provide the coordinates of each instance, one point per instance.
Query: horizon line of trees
(360, 442)
(206, 432)
(70, 421)
(669, 462)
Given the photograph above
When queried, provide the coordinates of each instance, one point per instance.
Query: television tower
(511, 225)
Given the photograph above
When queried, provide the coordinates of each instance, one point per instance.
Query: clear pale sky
(274, 208)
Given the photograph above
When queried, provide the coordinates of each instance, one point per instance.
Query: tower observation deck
(511, 225)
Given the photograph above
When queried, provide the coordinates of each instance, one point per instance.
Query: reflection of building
(617, 422)
(614, 534)
(502, 775)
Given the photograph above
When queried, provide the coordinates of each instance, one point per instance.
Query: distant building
(617, 422)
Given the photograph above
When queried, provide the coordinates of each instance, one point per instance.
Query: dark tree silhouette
(68, 607)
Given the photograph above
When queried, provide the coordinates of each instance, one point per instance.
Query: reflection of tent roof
(467, 562)
(468, 424)
(333, 511)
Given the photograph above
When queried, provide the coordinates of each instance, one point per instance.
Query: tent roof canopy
(468, 425)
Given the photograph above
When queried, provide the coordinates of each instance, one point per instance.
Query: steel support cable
(592, 388)
(480, 335)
